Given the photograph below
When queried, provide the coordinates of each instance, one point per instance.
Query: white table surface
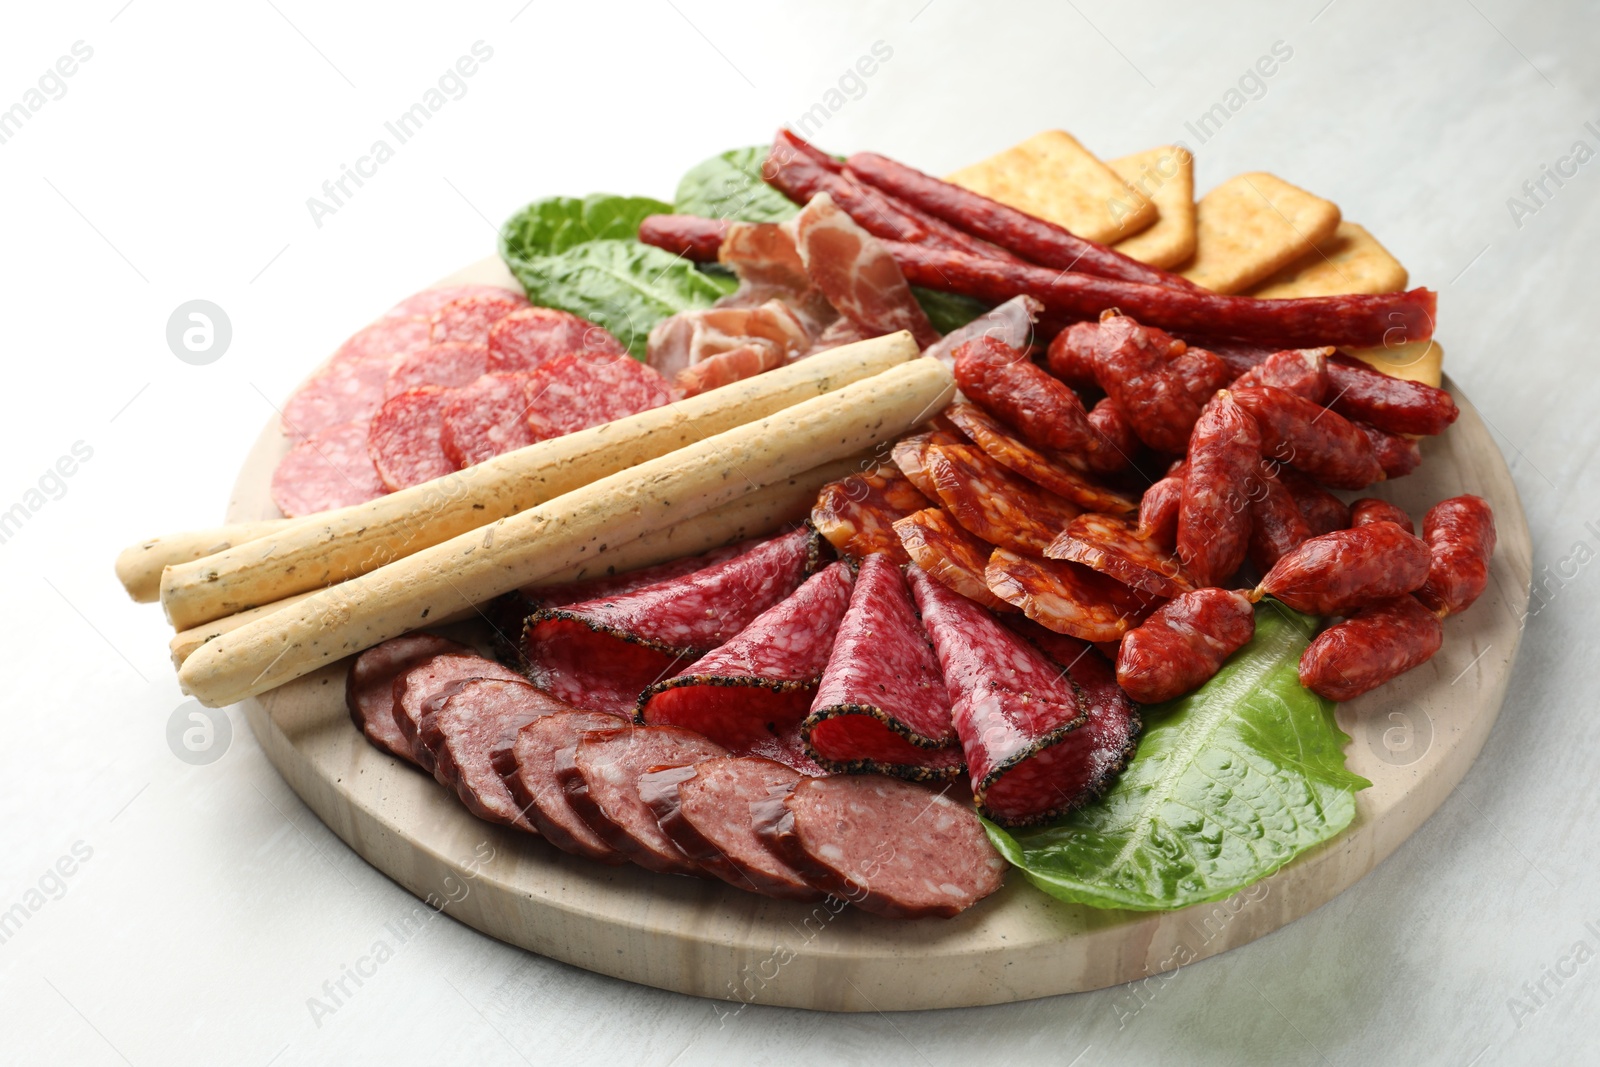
(176, 165)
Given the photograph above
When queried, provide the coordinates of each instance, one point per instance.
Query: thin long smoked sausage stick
(580, 525)
(1305, 322)
(1031, 238)
(795, 170)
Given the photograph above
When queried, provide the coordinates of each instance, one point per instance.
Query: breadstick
(139, 567)
(359, 539)
(752, 515)
(579, 526)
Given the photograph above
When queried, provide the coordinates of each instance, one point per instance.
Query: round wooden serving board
(1414, 739)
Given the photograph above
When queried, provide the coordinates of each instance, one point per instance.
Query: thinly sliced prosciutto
(700, 350)
(856, 272)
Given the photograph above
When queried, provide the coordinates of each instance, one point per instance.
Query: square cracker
(1352, 261)
(1052, 176)
(1165, 176)
(1417, 361)
(1254, 225)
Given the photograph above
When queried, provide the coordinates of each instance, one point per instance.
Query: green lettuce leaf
(584, 256)
(948, 311)
(558, 223)
(1230, 783)
(729, 186)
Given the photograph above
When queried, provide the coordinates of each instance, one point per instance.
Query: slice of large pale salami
(448, 364)
(389, 337)
(477, 718)
(485, 418)
(574, 392)
(528, 768)
(705, 809)
(350, 387)
(887, 846)
(1014, 711)
(330, 469)
(758, 686)
(524, 339)
(950, 555)
(337, 395)
(882, 704)
(419, 691)
(428, 301)
(369, 687)
(857, 513)
(601, 778)
(603, 653)
(403, 438)
(469, 318)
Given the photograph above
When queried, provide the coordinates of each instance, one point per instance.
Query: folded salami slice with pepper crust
(479, 717)
(705, 809)
(1068, 598)
(1051, 472)
(857, 513)
(994, 504)
(950, 555)
(601, 778)
(419, 692)
(1017, 716)
(937, 861)
(609, 585)
(1112, 547)
(882, 704)
(369, 687)
(1112, 732)
(757, 687)
(603, 653)
(528, 768)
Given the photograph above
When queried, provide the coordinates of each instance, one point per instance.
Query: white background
(177, 166)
